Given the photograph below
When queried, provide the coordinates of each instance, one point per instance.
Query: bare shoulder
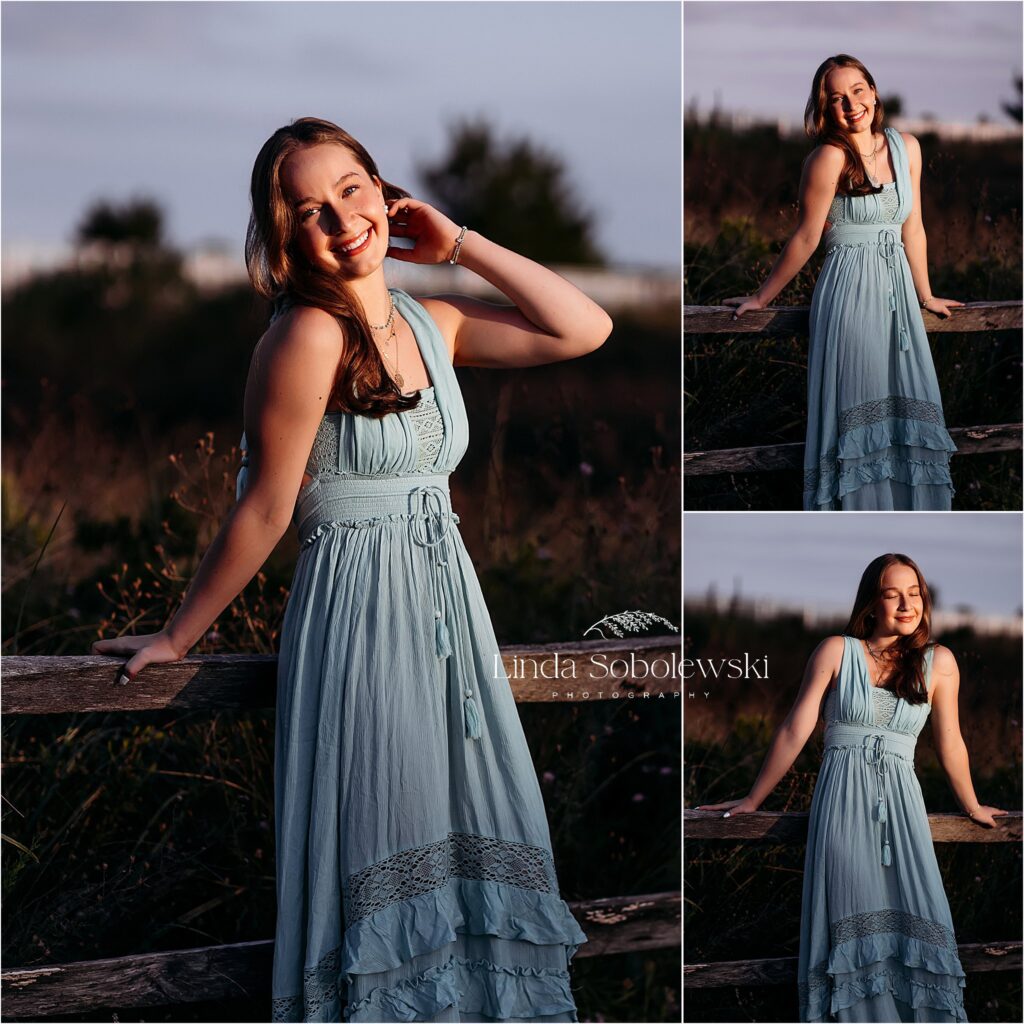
(943, 661)
(828, 655)
(832, 646)
(304, 329)
(913, 148)
(299, 352)
(824, 158)
(448, 311)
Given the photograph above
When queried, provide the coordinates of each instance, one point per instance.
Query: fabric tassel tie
(874, 755)
(432, 510)
(472, 716)
(888, 249)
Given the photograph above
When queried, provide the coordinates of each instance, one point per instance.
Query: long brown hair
(822, 127)
(908, 652)
(278, 272)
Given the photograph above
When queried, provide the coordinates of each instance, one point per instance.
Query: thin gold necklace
(395, 376)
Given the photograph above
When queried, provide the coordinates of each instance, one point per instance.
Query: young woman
(414, 872)
(876, 935)
(876, 436)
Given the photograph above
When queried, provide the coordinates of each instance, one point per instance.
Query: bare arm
(915, 243)
(286, 394)
(818, 183)
(949, 742)
(550, 320)
(797, 727)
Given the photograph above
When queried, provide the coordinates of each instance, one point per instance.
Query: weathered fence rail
(786, 321)
(637, 668)
(791, 827)
(52, 685)
(974, 957)
(242, 969)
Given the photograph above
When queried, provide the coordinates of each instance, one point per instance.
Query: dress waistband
(336, 501)
(352, 500)
(888, 241)
(863, 234)
(849, 734)
(875, 744)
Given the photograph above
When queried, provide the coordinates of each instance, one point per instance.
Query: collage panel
(852, 283)
(852, 755)
(852, 258)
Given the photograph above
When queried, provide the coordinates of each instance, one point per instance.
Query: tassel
(240, 481)
(886, 855)
(892, 302)
(442, 640)
(473, 729)
(904, 340)
(881, 809)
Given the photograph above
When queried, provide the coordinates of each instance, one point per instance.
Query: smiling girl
(876, 933)
(415, 879)
(876, 435)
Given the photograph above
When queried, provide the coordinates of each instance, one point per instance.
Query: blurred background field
(124, 361)
(773, 589)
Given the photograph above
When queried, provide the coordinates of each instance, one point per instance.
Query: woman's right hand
(743, 302)
(147, 649)
(731, 807)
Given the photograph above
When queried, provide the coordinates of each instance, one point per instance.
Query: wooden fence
(786, 321)
(52, 685)
(791, 827)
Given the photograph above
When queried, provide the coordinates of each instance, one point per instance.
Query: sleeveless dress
(415, 878)
(876, 934)
(876, 436)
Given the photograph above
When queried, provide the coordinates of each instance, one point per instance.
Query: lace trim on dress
(429, 427)
(891, 407)
(884, 702)
(426, 423)
(323, 456)
(426, 868)
(320, 985)
(888, 199)
(858, 926)
(324, 984)
(866, 414)
(874, 922)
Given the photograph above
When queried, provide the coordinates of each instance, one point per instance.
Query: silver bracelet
(924, 303)
(458, 246)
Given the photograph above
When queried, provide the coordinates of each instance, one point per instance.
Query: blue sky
(952, 60)
(174, 100)
(816, 560)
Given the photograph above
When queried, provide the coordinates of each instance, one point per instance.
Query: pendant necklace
(875, 183)
(389, 325)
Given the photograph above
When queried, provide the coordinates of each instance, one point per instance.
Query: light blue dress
(876, 435)
(876, 934)
(415, 880)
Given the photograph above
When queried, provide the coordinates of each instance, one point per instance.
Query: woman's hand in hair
(743, 302)
(731, 807)
(433, 233)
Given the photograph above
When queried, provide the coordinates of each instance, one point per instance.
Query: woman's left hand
(986, 816)
(941, 307)
(433, 232)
